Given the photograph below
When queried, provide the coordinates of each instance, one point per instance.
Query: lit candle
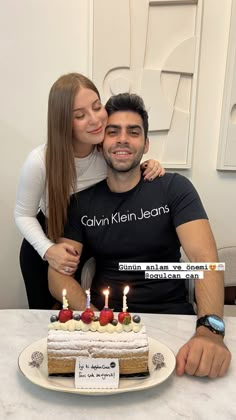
(88, 298)
(126, 290)
(106, 293)
(64, 300)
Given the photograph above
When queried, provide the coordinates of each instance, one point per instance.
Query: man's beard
(117, 168)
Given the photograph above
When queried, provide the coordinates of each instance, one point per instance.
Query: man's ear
(146, 147)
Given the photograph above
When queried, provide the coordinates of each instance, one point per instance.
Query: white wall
(39, 41)
(217, 188)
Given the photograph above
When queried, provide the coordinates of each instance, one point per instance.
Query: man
(125, 219)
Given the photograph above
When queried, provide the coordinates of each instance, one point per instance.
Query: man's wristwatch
(213, 323)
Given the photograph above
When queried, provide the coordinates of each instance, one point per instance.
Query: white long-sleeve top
(32, 194)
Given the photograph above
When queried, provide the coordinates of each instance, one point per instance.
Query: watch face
(216, 323)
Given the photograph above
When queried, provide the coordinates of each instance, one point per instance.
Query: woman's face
(89, 117)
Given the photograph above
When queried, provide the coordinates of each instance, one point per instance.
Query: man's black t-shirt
(135, 226)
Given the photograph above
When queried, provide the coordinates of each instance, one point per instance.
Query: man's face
(124, 143)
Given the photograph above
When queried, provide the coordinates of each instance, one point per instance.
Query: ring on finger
(67, 269)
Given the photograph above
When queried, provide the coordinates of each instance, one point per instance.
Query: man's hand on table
(205, 354)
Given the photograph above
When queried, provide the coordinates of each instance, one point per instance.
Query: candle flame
(126, 290)
(64, 292)
(106, 292)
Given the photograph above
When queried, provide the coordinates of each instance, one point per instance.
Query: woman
(68, 163)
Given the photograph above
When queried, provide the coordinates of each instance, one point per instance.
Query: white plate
(39, 375)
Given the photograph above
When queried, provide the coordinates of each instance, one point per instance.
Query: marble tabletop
(177, 398)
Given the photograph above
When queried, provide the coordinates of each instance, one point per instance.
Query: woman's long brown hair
(60, 164)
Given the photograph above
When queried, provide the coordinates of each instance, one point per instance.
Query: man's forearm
(199, 245)
(75, 294)
(210, 293)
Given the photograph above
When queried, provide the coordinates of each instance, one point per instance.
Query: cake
(80, 336)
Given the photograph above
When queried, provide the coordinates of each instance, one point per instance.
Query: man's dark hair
(128, 102)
